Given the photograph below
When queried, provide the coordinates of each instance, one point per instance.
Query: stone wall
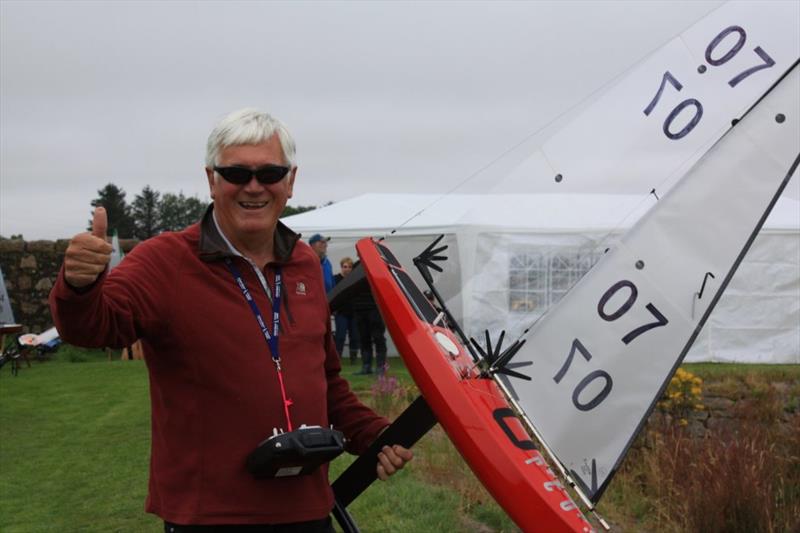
(30, 269)
(731, 403)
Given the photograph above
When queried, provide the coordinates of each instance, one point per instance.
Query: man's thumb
(100, 222)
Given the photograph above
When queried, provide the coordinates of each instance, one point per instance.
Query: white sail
(6, 313)
(116, 252)
(649, 127)
(604, 353)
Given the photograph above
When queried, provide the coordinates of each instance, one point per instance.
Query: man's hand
(391, 459)
(88, 253)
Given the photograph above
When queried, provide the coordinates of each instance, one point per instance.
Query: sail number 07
(767, 62)
(577, 346)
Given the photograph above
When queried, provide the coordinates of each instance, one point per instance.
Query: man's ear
(292, 174)
(211, 181)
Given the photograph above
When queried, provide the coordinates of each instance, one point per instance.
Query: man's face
(245, 211)
(346, 268)
(321, 247)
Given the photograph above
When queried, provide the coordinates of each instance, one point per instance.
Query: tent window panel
(561, 280)
(526, 301)
(539, 279)
(561, 262)
(519, 262)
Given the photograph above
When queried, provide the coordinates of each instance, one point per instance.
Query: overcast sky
(380, 96)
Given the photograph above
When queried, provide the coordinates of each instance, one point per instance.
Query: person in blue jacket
(320, 246)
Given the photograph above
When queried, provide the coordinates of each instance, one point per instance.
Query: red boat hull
(472, 410)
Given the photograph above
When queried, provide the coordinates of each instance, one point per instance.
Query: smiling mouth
(252, 205)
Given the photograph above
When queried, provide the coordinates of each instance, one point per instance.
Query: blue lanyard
(272, 339)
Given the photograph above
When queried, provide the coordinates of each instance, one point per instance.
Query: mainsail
(602, 356)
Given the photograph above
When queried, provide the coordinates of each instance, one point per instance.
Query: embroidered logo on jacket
(301, 288)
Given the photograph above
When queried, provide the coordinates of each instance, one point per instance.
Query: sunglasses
(265, 175)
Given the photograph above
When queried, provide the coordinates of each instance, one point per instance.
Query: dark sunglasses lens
(271, 174)
(239, 176)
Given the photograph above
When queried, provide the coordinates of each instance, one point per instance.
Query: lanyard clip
(277, 363)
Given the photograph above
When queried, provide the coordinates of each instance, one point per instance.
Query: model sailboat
(714, 140)
(604, 354)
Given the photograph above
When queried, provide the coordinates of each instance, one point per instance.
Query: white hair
(248, 126)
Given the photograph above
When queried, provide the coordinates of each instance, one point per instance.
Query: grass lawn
(709, 371)
(74, 445)
(74, 451)
(75, 438)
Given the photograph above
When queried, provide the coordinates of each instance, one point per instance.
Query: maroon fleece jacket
(213, 386)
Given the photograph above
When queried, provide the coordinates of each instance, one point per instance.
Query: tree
(119, 212)
(145, 211)
(195, 209)
(176, 211)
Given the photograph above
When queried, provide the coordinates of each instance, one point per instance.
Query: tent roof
(421, 213)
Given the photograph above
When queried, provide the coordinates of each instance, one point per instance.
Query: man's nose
(253, 185)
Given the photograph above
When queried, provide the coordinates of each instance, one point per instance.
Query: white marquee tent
(512, 256)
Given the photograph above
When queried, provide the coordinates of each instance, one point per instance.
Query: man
(219, 381)
(319, 244)
(371, 333)
(344, 317)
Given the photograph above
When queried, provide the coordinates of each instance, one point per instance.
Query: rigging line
(548, 124)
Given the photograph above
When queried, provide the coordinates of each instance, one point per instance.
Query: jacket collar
(213, 246)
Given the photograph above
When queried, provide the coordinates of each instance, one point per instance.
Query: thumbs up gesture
(88, 253)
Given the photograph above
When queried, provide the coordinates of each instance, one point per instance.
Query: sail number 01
(714, 62)
(577, 346)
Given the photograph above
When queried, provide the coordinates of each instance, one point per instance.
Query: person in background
(371, 333)
(345, 318)
(320, 246)
(219, 381)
